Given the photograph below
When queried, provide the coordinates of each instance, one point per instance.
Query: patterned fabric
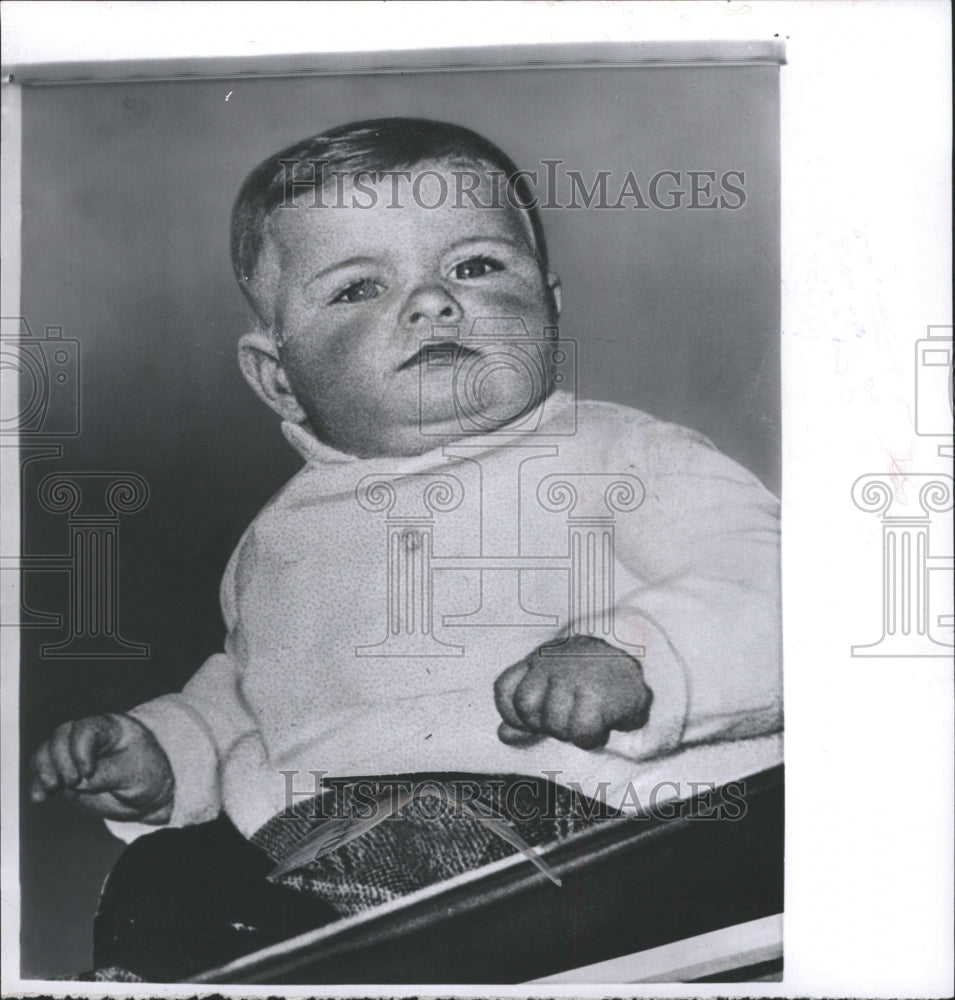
(426, 841)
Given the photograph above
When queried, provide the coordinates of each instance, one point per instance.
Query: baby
(474, 576)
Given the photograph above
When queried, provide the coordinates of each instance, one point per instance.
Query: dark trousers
(181, 901)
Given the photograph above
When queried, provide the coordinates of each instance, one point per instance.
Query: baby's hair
(379, 145)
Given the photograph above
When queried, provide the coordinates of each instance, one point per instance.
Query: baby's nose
(430, 304)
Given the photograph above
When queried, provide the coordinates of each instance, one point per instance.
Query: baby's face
(356, 291)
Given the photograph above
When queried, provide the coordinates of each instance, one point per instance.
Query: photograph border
(865, 905)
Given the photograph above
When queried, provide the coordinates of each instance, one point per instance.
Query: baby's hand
(109, 764)
(578, 696)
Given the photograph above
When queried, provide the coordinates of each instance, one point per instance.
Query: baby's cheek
(530, 305)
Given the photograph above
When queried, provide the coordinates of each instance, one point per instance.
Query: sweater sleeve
(196, 729)
(702, 558)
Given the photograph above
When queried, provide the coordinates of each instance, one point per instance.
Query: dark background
(127, 189)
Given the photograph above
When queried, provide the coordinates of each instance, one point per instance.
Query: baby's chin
(424, 435)
(481, 413)
(418, 423)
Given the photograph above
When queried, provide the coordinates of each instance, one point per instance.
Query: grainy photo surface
(399, 452)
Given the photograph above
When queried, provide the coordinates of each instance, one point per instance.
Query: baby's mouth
(440, 354)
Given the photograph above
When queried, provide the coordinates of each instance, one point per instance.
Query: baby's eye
(477, 267)
(359, 291)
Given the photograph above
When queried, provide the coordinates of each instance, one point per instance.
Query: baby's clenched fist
(109, 764)
(578, 694)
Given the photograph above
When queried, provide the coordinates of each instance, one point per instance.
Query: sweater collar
(315, 451)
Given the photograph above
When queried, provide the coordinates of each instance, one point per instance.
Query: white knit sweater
(465, 559)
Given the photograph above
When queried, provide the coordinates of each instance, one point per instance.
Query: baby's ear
(260, 364)
(553, 283)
